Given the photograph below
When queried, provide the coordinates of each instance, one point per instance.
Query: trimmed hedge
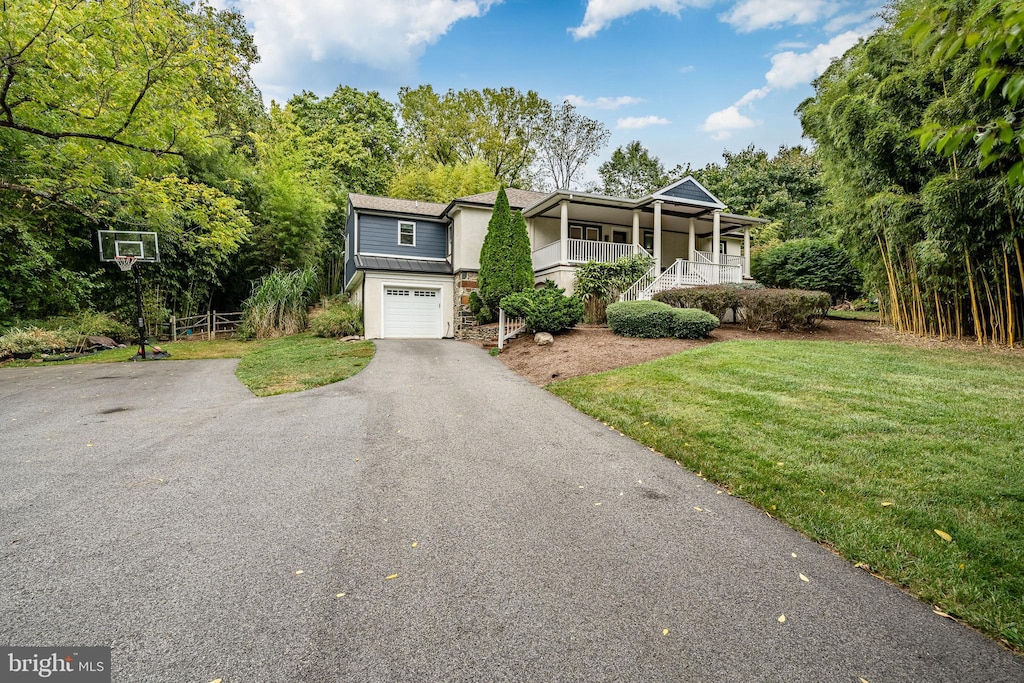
(692, 323)
(545, 310)
(715, 299)
(340, 320)
(651, 319)
(809, 264)
(784, 308)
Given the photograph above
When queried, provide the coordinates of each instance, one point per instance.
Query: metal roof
(403, 265)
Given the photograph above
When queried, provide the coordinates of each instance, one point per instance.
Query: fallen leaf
(793, 554)
(886, 503)
(596, 504)
(718, 493)
(861, 680)
(780, 463)
(782, 619)
(942, 614)
(299, 571)
(646, 423)
(216, 680)
(664, 631)
(88, 445)
(804, 579)
(943, 535)
(340, 595)
(392, 576)
(414, 544)
(583, 487)
(773, 507)
(639, 481)
(697, 509)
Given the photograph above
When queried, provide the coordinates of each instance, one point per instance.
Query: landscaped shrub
(600, 284)
(506, 264)
(18, 341)
(691, 323)
(339, 320)
(278, 304)
(481, 311)
(642, 319)
(715, 299)
(545, 310)
(783, 308)
(813, 264)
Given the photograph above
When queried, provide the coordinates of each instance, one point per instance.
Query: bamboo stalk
(938, 312)
(1009, 300)
(974, 300)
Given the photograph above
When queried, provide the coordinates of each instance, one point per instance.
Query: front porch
(574, 252)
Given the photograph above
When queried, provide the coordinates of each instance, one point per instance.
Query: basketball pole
(138, 302)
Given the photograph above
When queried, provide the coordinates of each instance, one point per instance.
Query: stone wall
(465, 323)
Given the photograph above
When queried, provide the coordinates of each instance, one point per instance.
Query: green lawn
(267, 367)
(867, 448)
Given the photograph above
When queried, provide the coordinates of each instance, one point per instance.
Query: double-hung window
(406, 234)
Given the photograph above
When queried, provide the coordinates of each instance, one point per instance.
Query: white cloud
(721, 124)
(792, 45)
(753, 95)
(686, 69)
(600, 13)
(641, 121)
(383, 34)
(790, 69)
(751, 15)
(601, 102)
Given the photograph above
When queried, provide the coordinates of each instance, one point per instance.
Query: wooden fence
(204, 326)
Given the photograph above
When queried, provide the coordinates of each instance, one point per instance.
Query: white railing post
(501, 328)
(174, 329)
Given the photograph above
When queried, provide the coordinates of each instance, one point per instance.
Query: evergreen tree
(506, 265)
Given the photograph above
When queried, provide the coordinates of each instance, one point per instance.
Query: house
(411, 265)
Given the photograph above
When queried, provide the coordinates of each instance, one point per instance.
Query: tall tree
(104, 107)
(443, 183)
(501, 126)
(632, 172)
(506, 265)
(570, 140)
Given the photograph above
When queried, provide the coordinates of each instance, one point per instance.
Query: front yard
(869, 448)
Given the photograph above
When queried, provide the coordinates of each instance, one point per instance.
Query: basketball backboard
(142, 245)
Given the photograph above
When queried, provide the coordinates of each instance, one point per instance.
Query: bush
(95, 324)
(506, 264)
(813, 264)
(36, 340)
(714, 299)
(480, 310)
(691, 323)
(784, 308)
(641, 319)
(545, 310)
(601, 283)
(340, 320)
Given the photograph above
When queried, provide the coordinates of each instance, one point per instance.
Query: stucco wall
(470, 226)
(373, 301)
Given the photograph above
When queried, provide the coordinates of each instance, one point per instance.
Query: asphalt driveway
(202, 533)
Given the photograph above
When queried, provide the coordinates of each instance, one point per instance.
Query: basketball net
(125, 263)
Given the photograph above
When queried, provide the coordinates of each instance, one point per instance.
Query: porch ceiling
(671, 220)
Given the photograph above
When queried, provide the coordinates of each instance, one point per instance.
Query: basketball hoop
(125, 263)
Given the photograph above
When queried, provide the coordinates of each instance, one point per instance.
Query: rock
(102, 342)
(543, 338)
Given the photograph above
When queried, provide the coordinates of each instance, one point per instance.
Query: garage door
(412, 312)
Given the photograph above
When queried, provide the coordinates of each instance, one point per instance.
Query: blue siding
(689, 190)
(379, 235)
(350, 245)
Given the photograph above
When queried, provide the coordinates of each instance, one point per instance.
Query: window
(580, 232)
(721, 247)
(619, 237)
(407, 234)
(648, 240)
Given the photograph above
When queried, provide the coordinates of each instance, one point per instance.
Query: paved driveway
(161, 509)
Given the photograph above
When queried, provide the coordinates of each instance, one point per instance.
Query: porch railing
(582, 251)
(508, 327)
(723, 259)
(717, 274)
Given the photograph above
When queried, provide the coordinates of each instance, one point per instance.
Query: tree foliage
(441, 183)
(599, 284)
(632, 171)
(935, 235)
(502, 126)
(570, 140)
(788, 189)
(813, 264)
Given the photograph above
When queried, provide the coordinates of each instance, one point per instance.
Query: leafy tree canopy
(632, 172)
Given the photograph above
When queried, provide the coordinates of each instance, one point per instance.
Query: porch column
(657, 234)
(693, 240)
(716, 237)
(636, 229)
(746, 251)
(563, 236)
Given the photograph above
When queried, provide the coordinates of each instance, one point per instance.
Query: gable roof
(689, 191)
(391, 205)
(517, 199)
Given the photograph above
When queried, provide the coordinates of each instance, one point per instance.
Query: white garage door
(412, 312)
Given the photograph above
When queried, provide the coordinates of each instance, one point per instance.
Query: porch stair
(679, 274)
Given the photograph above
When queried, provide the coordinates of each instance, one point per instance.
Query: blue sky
(688, 78)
